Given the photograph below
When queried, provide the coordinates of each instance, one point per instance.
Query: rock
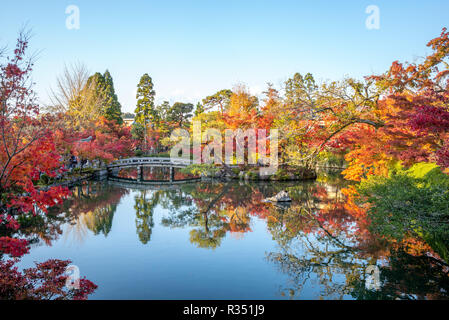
(280, 197)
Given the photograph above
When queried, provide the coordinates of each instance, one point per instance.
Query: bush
(253, 175)
(159, 155)
(138, 153)
(414, 201)
(236, 171)
(45, 180)
(199, 169)
(281, 174)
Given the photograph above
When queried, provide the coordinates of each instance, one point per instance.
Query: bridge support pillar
(139, 173)
(172, 174)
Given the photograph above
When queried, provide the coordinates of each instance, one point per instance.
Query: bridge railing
(149, 160)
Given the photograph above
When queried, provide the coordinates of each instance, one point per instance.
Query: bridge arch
(140, 162)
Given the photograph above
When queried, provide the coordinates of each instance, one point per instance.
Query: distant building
(128, 119)
(128, 122)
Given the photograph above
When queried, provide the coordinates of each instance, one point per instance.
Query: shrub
(45, 179)
(413, 201)
(138, 153)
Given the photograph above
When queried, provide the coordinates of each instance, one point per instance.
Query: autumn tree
(76, 97)
(69, 85)
(109, 141)
(414, 112)
(26, 144)
(27, 149)
(243, 108)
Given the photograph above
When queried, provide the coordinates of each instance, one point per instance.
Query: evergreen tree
(145, 111)
(106, 102)
(180, 113)
(112, 110)
(163, 111)
(220, 99)
(199, 109)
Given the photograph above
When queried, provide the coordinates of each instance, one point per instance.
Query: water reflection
(319, 243)
(91, 207)
(144, 206)
(153, 174)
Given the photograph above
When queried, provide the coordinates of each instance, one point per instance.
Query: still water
(220, 240)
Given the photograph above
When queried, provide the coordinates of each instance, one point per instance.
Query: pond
(220, 240)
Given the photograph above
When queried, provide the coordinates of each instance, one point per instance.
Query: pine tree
(180, 113)
(199, 109)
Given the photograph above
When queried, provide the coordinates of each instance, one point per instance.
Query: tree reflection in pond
(91, 207)
(144, 207)
(321, 239)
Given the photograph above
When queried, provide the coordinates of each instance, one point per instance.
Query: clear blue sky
(192, 48)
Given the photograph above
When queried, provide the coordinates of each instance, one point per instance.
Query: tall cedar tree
(145, 111)
(112, 110)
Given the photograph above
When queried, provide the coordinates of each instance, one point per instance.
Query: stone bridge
(139, 163)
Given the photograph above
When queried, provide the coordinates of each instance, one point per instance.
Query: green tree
(180, 113)
(128, 115)
(163, 111)
(199, 109)
(412, 202)
(112, 110)
(138, 132)
(220, 99)
(301, 92)
(144, 214)
(145, 110)
(102, 98)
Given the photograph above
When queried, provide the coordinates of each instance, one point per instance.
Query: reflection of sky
(169, 266)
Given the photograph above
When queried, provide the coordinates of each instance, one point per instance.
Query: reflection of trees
(39, 227)
(100, 220)
(312, 248)
(214, 209)
(408, 276)
(92, 207)
(323, 238)
(146, 201)
(208, 227)
(144, 207)
(153, 173)
(322, 261)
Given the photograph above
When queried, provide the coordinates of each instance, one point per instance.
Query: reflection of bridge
(147, 185)
(139, 163)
